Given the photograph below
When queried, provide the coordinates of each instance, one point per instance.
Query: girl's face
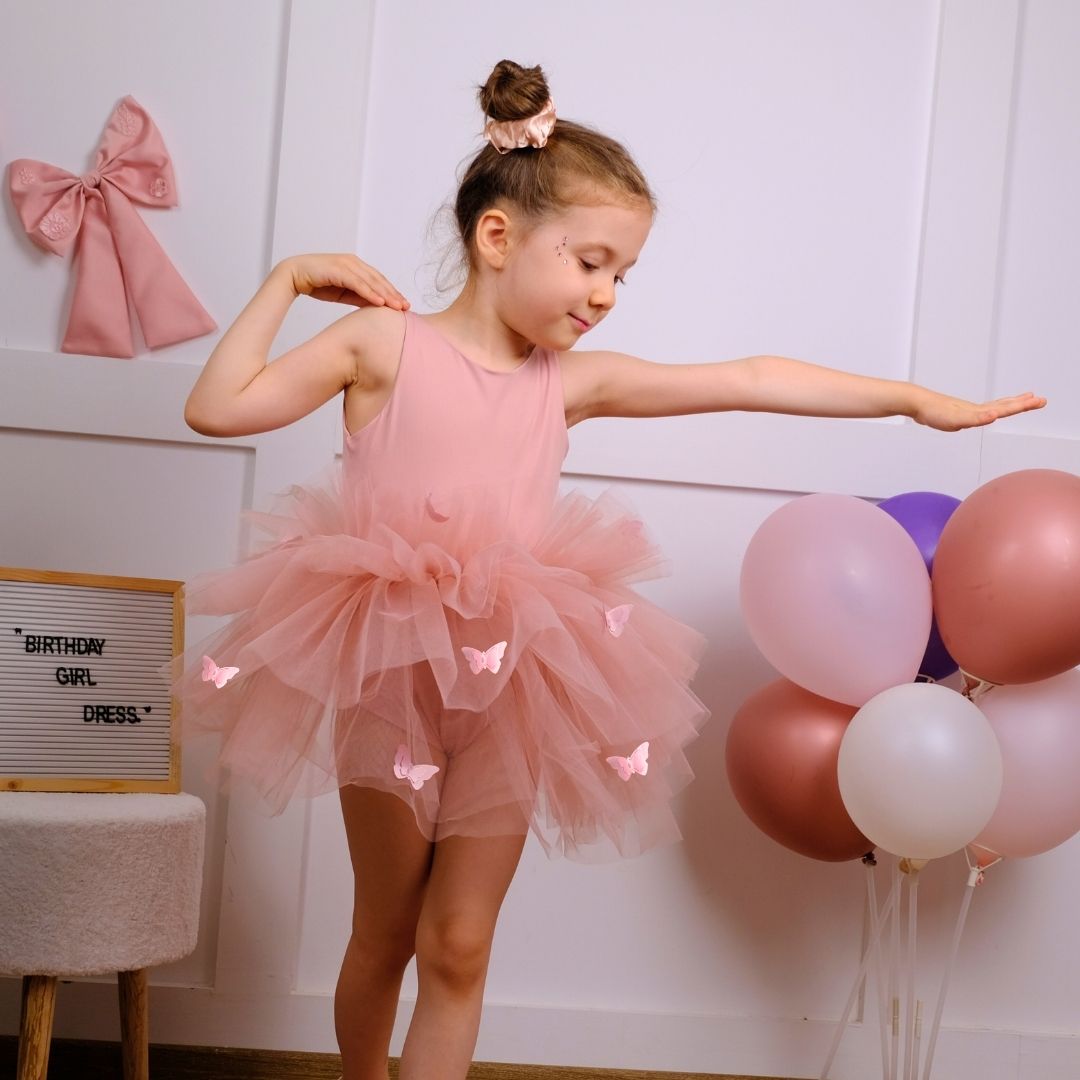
(561, 278)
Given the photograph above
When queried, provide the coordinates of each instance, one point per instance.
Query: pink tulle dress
(432, 602)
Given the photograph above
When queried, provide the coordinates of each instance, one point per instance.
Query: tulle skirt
(367, 630)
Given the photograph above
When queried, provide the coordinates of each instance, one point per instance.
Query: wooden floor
(71, 1059)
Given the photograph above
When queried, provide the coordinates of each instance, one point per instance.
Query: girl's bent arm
(238, 393)
(628, 386)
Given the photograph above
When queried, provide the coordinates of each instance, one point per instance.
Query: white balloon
(920, 770)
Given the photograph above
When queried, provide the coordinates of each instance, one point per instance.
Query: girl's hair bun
(513, 92)
(576, 165)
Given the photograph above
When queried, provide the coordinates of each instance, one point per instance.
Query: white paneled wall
(879, 187)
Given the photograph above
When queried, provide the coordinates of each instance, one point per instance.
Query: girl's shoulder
(582, 374)
(375, 337)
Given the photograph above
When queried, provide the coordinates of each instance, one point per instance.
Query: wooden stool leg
(35, 1026)
(134, 1029)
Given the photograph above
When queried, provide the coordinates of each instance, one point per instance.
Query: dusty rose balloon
(781, 762)
(836, 596)
(1006, 578)
(1038, 729)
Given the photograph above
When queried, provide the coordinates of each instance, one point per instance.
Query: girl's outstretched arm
(622, 385)
(239, 393)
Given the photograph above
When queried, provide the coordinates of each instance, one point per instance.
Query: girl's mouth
(581, 322)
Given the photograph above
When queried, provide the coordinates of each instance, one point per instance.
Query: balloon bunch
(863, 609)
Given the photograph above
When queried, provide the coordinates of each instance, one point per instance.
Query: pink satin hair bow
(116, 254)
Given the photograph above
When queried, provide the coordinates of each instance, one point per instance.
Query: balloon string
(894, 981)
(981, 869)
(975, 876)
(918, 1040)
(910, 1067)
(974, 687)
(874, 938)
(868, 861)
(876, 925)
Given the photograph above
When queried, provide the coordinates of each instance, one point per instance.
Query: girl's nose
(603, 297)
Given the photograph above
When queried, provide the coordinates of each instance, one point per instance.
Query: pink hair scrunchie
(507, 135)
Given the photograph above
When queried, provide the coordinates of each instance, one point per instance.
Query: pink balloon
(836, 596)
(1038, 730)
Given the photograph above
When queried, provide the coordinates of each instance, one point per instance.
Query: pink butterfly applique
(637, 762)
(490, 658)
(616, 618)
(219, 675)
(404, 769)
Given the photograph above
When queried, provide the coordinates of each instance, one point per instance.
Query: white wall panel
(1038, 319)
(210, 77)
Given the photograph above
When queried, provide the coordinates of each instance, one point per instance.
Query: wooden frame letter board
(83, 705)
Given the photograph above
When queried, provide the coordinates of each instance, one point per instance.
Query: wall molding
(86, 1060)
(585, 1039)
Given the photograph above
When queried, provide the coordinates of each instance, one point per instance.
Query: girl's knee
(382, 949)
(387, 932)
(454, 948)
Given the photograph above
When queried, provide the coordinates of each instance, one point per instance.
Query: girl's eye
(590, 266)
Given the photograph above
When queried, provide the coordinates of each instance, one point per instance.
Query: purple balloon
(923, 515)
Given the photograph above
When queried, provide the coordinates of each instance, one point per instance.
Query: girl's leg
(391, 860)
(469, 878)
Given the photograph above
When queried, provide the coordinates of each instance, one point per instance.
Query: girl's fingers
(338, 294)
(388, 298)
(377, 293)
(347, 279)
(356, 292)
(382, 284)
(390, 294)
(369, 294)
(1021, 401)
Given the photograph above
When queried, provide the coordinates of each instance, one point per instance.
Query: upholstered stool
(93, 883)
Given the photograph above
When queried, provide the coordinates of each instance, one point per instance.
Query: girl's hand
(342, 279)
(954, 414)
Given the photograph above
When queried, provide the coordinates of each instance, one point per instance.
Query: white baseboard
(87, 1009)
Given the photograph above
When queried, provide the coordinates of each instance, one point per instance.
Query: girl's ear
(493, 238)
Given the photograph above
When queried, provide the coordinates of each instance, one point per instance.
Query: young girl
(432, 629)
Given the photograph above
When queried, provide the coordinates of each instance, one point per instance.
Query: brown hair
(577, 164)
